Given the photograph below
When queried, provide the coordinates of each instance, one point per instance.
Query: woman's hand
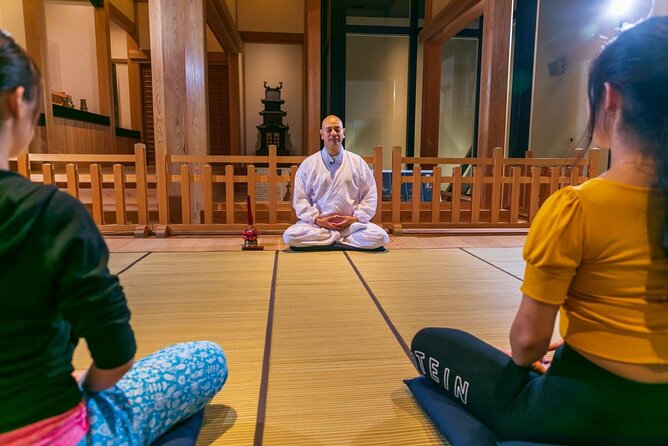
(95, 379)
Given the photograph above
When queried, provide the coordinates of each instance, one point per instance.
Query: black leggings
(575, 402)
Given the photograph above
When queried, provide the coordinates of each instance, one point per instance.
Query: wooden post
(416, 195)
(34, 18)
(119, 193)
(141, 184)
(271, 178)
(456, 193)
(515, 195)
(72, 180)
(251, 189)
(497, 185)
(494, 76)
(431, 98)
(185, 194)
(312, 53)
(104, 77)
(396, 185)
(436, 196)
(378, 177)
(229, 194)
(178, 66)
(96, 192)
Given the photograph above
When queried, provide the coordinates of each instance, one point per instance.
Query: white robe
(352, 191)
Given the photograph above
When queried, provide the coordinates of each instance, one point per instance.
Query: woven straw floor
(339, 326)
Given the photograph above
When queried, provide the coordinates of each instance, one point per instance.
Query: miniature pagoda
(272, 130)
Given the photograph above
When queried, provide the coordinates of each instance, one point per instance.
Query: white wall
(571, 29)
(376, 82)
(11, 20)
(72, 53)
(273, 63)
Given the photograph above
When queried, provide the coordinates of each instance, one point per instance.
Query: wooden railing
(207, 194)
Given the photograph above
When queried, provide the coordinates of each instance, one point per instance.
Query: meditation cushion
(183, 433)
(452, 421)
(335, 247)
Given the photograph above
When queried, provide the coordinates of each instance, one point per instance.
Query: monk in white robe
(335, 197)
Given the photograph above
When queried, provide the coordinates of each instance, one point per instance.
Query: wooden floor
(316, 342)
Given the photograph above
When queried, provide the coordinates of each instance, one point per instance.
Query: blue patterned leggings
(160, 390)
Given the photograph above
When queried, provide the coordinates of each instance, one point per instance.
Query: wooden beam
(431, 99)
(428, 11)
(451, 19)
(216, 58)
(263, 37)
(222, 26)
(494, 69)
(104, 78)
(312, 57)
(119, 18)
(34, 17)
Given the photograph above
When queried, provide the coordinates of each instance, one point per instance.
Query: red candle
(250, 214)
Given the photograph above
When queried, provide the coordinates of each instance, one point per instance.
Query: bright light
(619, 7)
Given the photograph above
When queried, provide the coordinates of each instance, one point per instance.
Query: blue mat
(183, 433)
(335, 247)
(452, 421)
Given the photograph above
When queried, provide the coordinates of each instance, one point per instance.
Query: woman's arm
(96, 379)
(532, 330)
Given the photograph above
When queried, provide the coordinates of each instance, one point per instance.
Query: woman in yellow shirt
(598, 255)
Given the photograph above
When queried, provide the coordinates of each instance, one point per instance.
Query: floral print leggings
(160, 390)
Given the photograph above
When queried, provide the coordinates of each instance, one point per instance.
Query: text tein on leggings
(460, 386)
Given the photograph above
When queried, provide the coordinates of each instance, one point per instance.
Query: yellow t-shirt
(595, 250)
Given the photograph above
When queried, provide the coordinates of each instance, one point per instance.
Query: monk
(335, 197)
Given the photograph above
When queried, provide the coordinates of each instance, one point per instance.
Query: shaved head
(332, 133)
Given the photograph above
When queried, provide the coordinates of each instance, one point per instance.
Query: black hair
(17, 69)
(636, 64)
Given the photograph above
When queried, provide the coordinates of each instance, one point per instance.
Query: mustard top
(595, 250)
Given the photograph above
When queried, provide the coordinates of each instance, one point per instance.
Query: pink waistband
(66, 429)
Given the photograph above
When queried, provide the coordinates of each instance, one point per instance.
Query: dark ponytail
(17, 69)
(636, 64)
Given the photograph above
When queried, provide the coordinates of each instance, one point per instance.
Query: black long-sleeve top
(55, 288)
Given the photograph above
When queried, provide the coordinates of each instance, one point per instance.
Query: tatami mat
(118, 261)
(223, 297)
(508, 259)
(336, 369)
(442, 288)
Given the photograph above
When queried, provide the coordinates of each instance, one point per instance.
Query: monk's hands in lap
(343, 221)
(335, 222)
(325, 222)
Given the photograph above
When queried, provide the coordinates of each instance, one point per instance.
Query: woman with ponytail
(55, 289)
(597, 254)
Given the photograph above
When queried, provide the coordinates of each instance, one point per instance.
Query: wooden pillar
(494, 76)
(134, 80)
(233, 66)
(312, 52)
(104, 78)
(431, 98)
(34, 17)
(178, 64)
